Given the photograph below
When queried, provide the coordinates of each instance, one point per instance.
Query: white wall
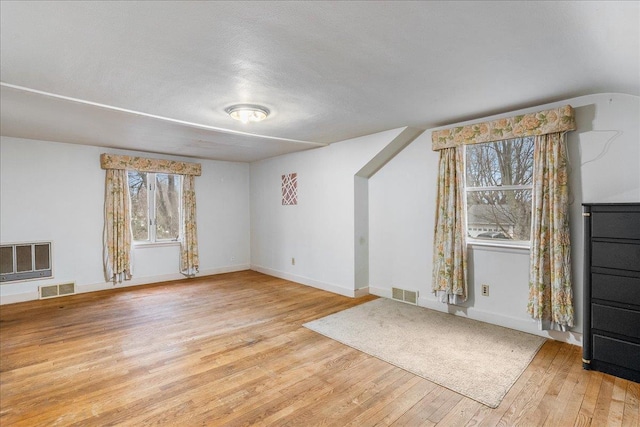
(240, 204)
(402, 207)
(319, 231)
(361, 232)
(55, 191)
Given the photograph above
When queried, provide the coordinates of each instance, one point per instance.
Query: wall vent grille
(24, 261)
(404, 295)
(57, 290)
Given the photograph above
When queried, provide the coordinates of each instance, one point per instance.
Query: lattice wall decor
(290, 189)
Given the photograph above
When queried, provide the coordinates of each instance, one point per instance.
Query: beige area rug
(476, 359)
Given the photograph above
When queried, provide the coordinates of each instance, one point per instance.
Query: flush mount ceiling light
(248, 113)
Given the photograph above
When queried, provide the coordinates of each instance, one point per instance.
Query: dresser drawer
(619, 225)
(622, 256)
(621, 353)
(620, 289)
(617, 320)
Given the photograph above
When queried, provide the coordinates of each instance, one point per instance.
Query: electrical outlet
(485, 290)
(293, 261)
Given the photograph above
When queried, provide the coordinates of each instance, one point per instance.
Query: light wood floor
(231, 350)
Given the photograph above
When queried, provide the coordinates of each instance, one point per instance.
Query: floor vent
(410, 297)
(57, 290)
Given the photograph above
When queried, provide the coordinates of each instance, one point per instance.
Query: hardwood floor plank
(562, 392)
(384, 403)
(231, 350)
(538, 408)
(342, 401)
(632, 406)
(290, 401)
(571, 408)
(399, 406)
(550, 361)
(616, 408)
(461, 414)
(601, 410)
(348, 402)
(587, 408)
(419, 413)
(449, 400)
(372, 395)
(486, 416)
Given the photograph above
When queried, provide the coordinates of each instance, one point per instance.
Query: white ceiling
(157, 76)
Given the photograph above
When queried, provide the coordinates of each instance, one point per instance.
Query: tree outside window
(499, 182)
(155, 206)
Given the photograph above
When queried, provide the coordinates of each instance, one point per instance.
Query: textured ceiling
(157, 76)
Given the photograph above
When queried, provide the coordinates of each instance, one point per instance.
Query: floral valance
(543, 122)
(142, 164)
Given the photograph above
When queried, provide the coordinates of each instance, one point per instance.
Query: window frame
(504, 243)
(152, 240)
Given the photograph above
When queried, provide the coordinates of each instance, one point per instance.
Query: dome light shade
(248, 113)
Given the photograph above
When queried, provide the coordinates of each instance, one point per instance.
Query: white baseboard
(340, 290)
(523, 325)
(381, 292)
(360, 292)
(135, 281)
(21, 297)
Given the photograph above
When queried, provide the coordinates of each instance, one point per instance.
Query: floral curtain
(117, 227)
(143, 164)
(555, 120)
(189, 262)
(550, 299)
(550, 295)
(449, 247)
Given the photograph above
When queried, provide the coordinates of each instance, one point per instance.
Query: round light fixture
(248, 113)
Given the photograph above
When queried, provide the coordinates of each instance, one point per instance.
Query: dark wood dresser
(611, 335)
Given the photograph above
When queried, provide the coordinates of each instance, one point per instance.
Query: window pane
(167, 206)
(139, 205)
(502, 215)
(508, 162)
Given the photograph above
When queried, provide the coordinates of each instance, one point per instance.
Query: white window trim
(470, 241)
(499, 187)
(151, 211)
(509, 244)
(139, 244)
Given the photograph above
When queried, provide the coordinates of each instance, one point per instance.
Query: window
(155, 206)
(498, 186)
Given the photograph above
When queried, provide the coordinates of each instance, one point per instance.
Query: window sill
(500, 245)
(146, 245)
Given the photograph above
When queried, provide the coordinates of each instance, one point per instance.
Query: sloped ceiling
(157, 76)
